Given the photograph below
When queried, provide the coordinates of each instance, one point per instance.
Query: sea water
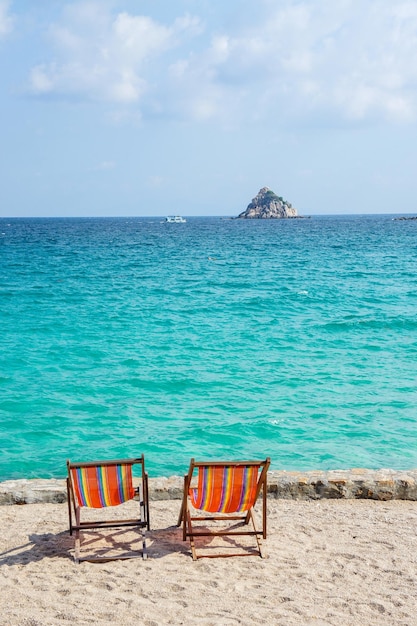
(216, 338)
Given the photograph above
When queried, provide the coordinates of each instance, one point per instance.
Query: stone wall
(381, 484)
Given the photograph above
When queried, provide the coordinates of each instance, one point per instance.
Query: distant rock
(267, 205)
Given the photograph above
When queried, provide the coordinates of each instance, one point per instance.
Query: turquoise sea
(216, 338)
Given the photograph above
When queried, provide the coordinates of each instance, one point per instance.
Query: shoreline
(356, 483)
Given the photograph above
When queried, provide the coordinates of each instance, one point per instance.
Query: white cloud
(355, 60)
(105, 166)
(156, 181)
(6, 20)
(100, 56)
(350, 60)
(41, 83)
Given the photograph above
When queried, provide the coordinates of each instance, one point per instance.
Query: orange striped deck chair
(225, 492)
(102, 484)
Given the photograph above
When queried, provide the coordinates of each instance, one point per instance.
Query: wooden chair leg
(181, 514)
(257, 535)
(184, 510)
(146, 501)
(144, 552)
(69, 506)
(191, 536)
(186, 515)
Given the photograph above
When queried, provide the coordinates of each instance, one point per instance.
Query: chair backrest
(227, 487)
(102, 483)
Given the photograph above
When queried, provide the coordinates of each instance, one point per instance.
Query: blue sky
(154, 107)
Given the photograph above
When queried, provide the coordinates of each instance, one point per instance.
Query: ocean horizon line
(210, 215)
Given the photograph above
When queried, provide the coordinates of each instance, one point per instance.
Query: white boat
(177, 219)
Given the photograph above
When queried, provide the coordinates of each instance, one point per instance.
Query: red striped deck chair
(101, 484)
(226, 492)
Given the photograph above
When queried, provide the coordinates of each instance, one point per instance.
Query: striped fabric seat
(226, 492)
(102, 485)
(225, 489)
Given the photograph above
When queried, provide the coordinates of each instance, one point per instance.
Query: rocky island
(267, 205)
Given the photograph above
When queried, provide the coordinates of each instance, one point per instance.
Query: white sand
(341, 562)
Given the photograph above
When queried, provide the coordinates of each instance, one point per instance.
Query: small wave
(275, 422)
(374, 324)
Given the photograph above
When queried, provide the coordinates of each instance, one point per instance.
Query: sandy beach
(330, 562)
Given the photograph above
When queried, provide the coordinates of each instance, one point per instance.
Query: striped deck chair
(101, 484)
(225, 491)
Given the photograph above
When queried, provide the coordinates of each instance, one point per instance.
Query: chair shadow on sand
(110, 543)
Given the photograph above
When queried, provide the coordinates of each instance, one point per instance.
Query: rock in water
(267, 205)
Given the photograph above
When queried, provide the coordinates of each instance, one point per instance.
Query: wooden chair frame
(74, 508)
(186, 518)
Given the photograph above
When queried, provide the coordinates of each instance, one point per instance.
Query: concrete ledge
(384, 484)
